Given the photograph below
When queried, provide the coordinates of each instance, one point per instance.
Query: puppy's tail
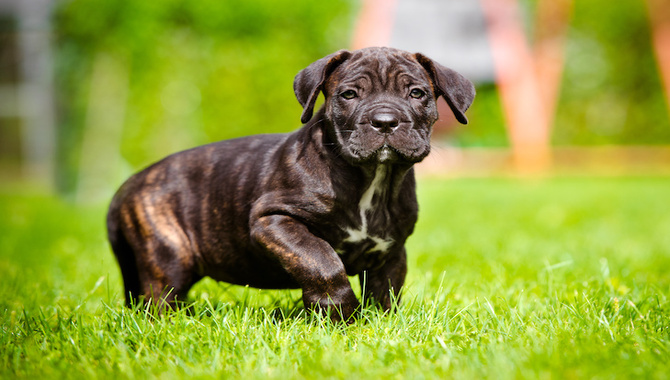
(125, 255)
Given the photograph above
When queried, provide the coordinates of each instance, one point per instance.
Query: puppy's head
(381, 102)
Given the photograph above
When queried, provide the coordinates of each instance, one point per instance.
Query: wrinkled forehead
(385, 69)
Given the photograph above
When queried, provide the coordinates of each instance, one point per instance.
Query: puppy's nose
(384, 122)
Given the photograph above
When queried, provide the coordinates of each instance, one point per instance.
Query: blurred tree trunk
(36, 92)
(551, 27)
(659, 12)
(374, 24)
(528, 78)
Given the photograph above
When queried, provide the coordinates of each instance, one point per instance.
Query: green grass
(560, 278)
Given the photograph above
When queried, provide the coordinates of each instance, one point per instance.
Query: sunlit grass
(562, 278)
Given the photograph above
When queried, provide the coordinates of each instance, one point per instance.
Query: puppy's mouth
(387, 154)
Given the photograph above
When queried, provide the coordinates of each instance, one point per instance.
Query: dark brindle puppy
(299, 210)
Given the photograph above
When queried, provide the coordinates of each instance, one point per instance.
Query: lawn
(555, 278)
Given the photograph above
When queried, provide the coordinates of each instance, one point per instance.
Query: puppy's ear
(309, 82)
(452, 86)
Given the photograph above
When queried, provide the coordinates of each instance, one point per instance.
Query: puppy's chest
(366, 238)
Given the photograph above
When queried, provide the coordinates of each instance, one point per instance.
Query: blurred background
(93, 90)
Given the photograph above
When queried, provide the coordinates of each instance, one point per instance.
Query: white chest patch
(364, 205)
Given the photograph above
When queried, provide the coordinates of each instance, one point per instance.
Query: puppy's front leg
(382, 285)
(311, 261)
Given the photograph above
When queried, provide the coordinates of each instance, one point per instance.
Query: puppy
(335, 198)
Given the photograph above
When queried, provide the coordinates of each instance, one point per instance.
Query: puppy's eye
(349, 94)
(417, 94)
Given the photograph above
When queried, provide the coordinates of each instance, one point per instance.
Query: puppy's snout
(384, 122)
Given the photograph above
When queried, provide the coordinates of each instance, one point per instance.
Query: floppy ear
(309, 82)
(452, 86)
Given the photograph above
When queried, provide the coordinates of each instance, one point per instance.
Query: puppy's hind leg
(127, 262)
(156, 264)
(165, 274)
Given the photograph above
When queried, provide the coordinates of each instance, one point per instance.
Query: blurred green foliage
(188, 73)
(486, 121)
(195, 71)
(611, 91)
